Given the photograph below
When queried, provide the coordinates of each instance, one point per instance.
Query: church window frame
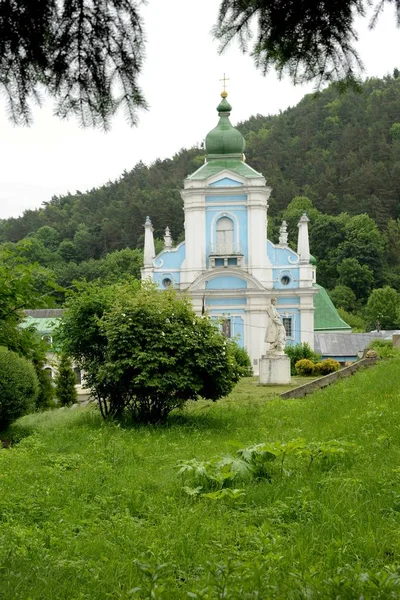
(236, 232)
(166, 282)
(287, 322)
(225, 235)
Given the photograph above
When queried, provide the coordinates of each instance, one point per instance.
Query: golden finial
(224, 93)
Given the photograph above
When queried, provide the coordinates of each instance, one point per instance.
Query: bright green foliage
(19, 387)
(384, 348)
(49, 237)
(343, 297)
(299, 351)
(45, 397)
(25, 286)
(363, 242)
(242, 359)
(65, 382)
(92, 510)
(359, 278)
(392, 235)
(144, 351)
(294, 211)
(254, 462)
(304, 367)
(355, 321)
(326, 366)
(384, 306)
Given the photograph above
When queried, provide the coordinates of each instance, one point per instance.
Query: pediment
(226, 182)
(226, 178)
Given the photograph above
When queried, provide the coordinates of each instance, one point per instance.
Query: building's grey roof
(45, 313)
(347, 344)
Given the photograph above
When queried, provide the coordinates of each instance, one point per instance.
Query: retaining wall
(322, 382)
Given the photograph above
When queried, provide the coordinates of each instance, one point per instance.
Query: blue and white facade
(226, 263)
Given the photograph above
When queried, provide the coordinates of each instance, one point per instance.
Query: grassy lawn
(91, 510)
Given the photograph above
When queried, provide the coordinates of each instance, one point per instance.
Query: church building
(226, 263)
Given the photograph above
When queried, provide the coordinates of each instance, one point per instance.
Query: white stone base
(275, 369)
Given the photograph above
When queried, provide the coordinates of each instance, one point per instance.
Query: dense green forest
(337, 155)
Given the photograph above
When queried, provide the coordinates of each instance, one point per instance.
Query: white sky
(181, 84)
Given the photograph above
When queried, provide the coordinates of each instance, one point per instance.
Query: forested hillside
(340, 153)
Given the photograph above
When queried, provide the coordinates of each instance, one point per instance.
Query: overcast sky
(181, 84)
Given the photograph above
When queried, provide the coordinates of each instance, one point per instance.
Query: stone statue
(275, 335)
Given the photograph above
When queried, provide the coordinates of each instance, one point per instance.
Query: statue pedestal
(274, 369)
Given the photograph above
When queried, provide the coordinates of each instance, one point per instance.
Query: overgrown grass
(91, 510)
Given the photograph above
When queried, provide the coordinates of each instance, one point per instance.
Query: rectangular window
(287, 323)
(232, 262)
(226, 328)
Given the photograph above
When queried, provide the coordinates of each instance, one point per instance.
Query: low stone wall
(322, 382)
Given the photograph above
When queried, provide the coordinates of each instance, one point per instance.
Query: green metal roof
(233, 164)
(42, 325)
(326, 317)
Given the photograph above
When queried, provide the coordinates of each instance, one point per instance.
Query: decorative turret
(149, 250)
(283, 235)
(303, 243)
(167, 239)
(224, 140)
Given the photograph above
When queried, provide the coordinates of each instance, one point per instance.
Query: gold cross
(224, 79)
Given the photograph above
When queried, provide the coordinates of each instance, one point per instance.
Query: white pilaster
(303, 243)
(149, 251)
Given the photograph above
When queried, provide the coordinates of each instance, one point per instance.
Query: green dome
(224, 139)
(313, 260)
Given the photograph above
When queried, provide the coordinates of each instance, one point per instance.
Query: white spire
(303, 243)
(167, 238)
(149, 250)
(283, 235)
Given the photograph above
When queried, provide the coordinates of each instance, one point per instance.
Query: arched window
(49, 372)
(225, 236)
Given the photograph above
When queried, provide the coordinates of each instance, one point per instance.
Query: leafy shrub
(19, 387)
(355, 321)
(299, 351)
(65, 382)
(259, 461)
(384, 348)
(144, 351)
(304, 367)
(45, 397)
(242, 359)
(326, 366)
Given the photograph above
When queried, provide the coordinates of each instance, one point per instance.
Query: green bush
(242, 359)
(355, 320)
(19, 387)
(305, 367)
(384, 348)
(299, 351)
(144, 351)
(65, 382)
(326, 366)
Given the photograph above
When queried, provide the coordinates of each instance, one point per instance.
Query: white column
(303, 243)
(149, 251)
(258, 263)
(195, 235)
